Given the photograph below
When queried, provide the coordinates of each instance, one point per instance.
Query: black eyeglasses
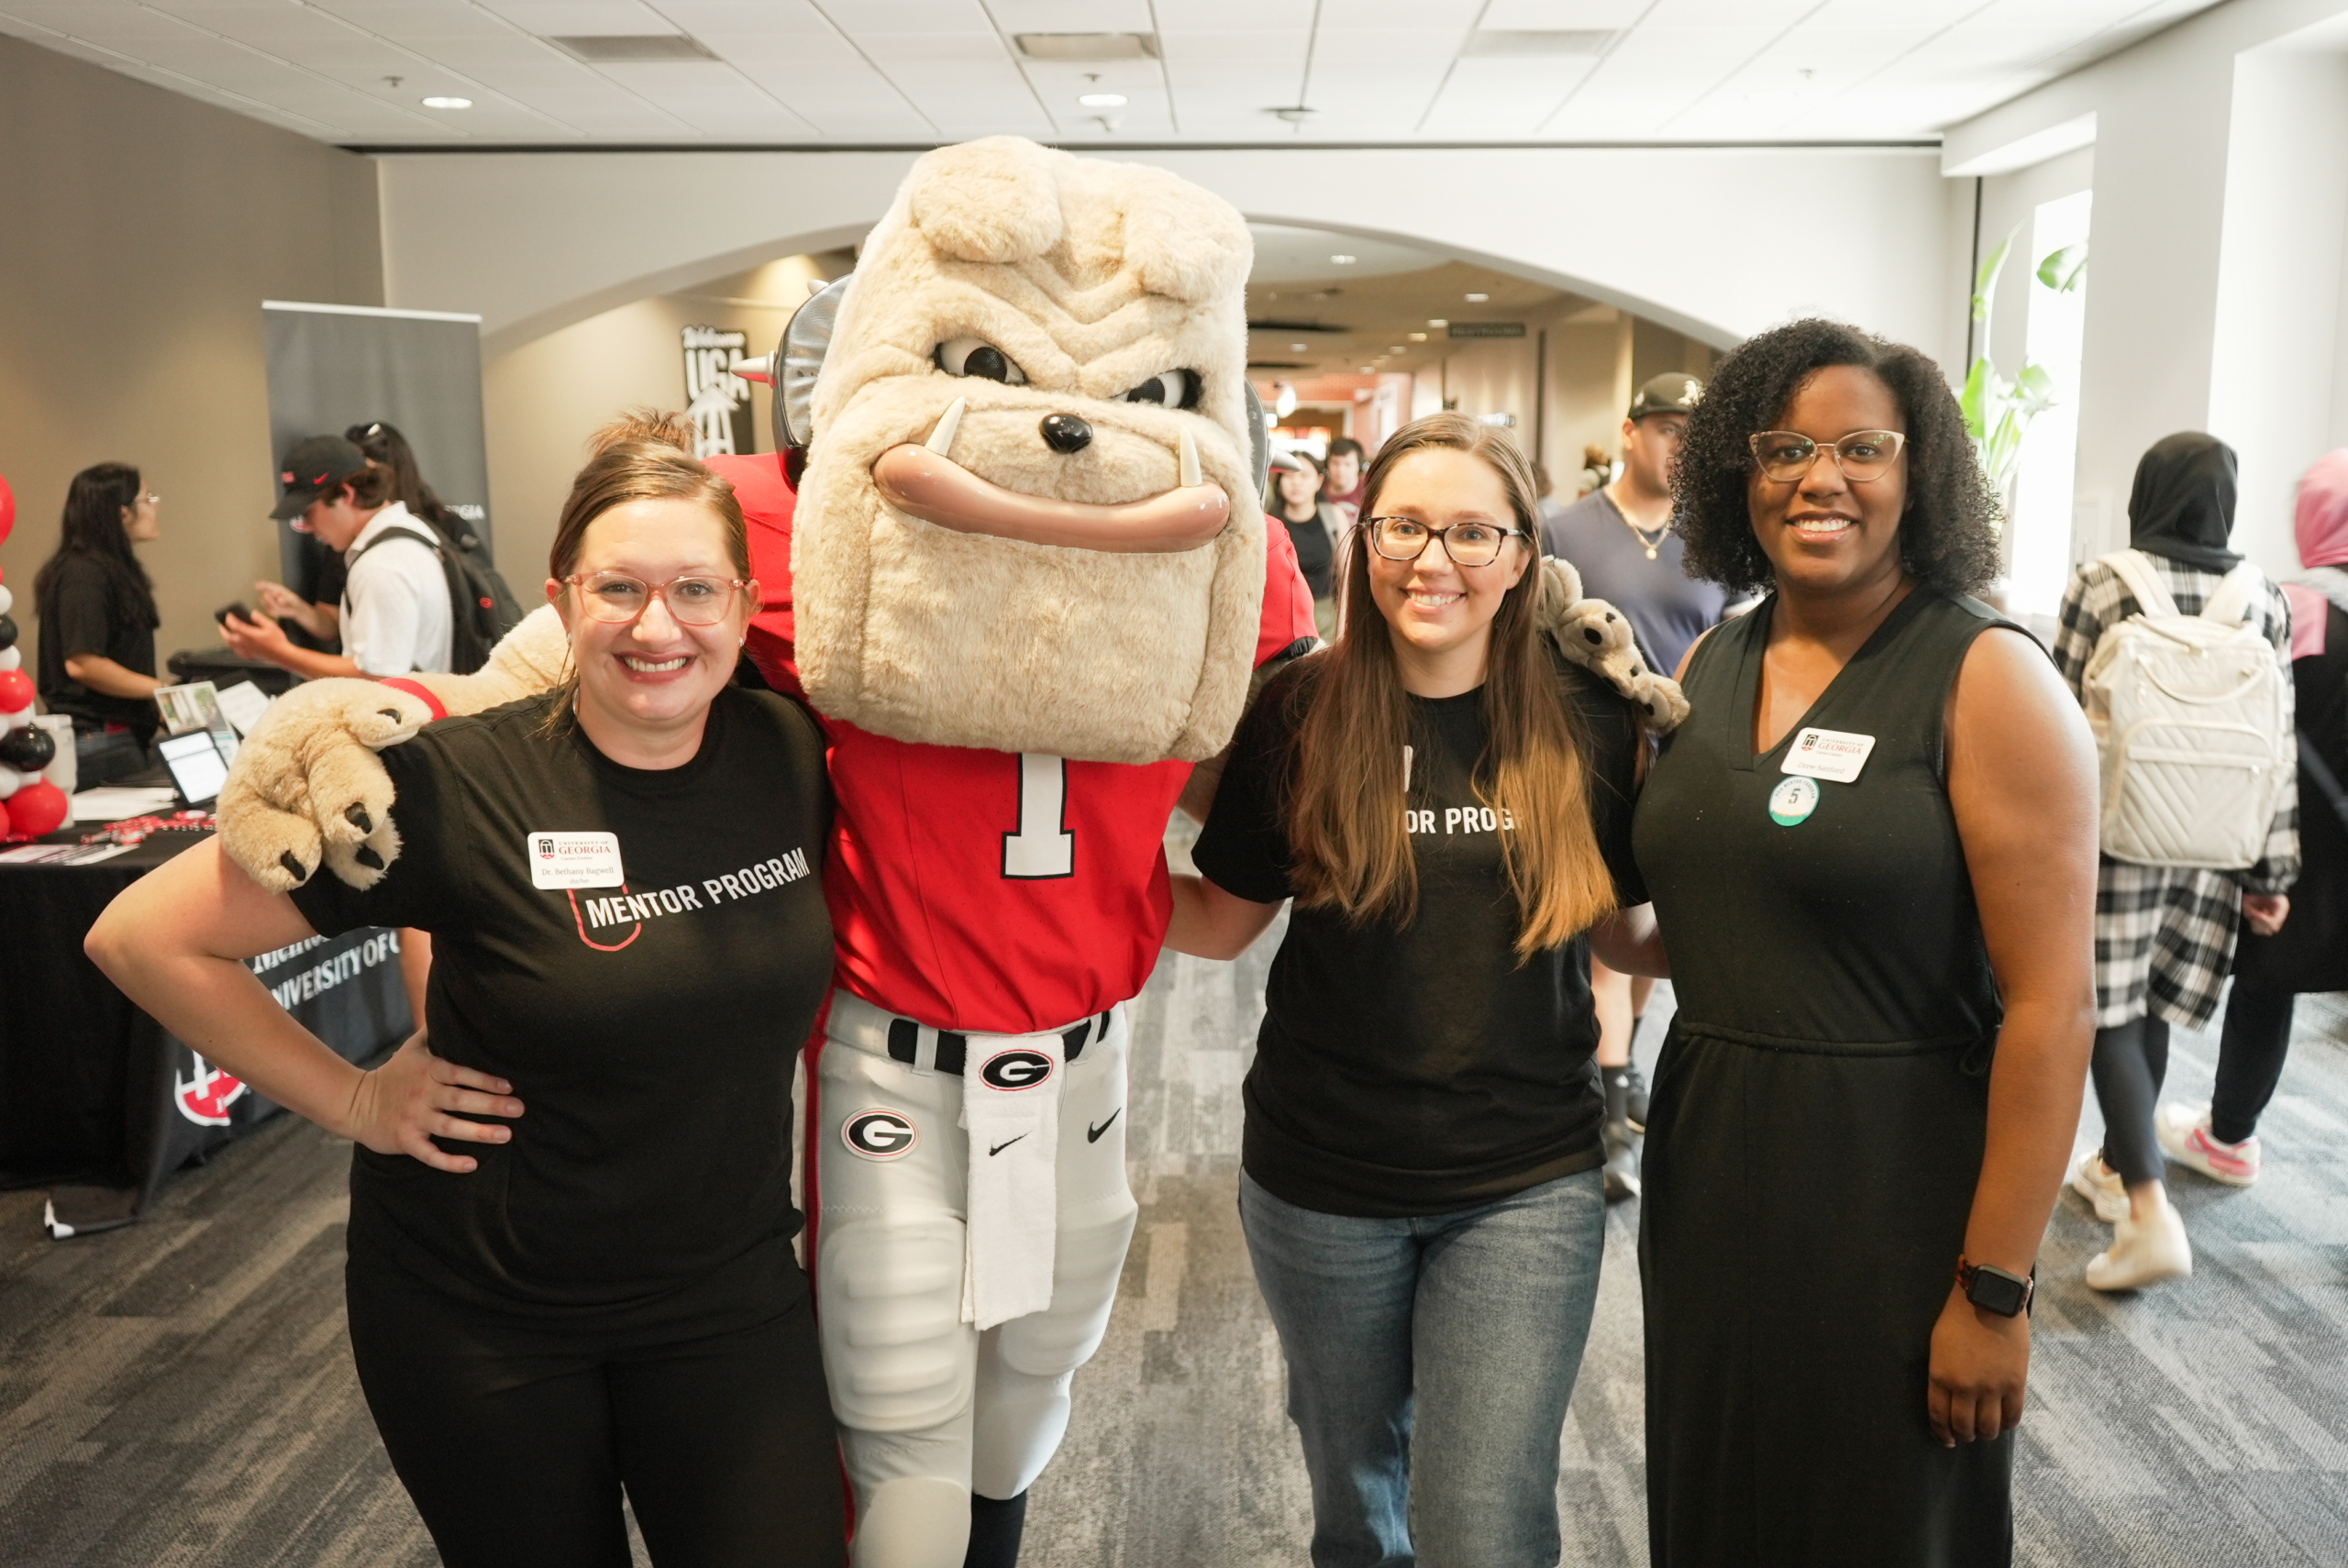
(1786, 456)
(1467, 543)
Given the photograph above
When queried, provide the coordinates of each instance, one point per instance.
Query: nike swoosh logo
(1006, 1143)
(1093, 1135)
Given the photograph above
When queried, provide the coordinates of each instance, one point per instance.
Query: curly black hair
(1949, 536)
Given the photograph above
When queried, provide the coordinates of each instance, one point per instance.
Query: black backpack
(482, 609)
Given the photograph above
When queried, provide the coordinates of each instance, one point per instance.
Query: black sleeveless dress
(1817, 1122)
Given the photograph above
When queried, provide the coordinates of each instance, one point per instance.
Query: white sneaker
(2102, 1186)
(2184, 1133)
(2144, 1253)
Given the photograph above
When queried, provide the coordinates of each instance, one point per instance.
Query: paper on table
(112, 802)
(242, 705)
(61, 853)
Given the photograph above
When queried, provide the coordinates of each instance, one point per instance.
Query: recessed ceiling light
(1418, 337)
(1102, 100)
(1478, 299)
(1396, 348)
(1296, 348)
(1437, 321)
(1341, 260)
(437, 102)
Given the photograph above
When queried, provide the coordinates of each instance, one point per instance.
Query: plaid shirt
(2163, 937)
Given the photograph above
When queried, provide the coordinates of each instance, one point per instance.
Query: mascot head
(1028, 520)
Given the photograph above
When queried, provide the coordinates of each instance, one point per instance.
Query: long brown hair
(644, 454)
(1346, 821)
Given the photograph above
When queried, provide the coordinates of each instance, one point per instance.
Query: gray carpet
(179, 1392)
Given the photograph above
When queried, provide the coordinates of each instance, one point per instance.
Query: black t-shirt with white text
(1419, 1069)
(649, 1028)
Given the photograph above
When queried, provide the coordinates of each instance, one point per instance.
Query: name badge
(574, 859)
(1835, 755)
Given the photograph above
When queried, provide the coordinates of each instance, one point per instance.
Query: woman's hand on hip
(1980, 1365)
(402, 1106)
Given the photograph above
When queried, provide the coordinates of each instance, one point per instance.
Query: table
(95, 1098)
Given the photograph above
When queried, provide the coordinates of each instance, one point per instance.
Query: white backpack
(2191, 716)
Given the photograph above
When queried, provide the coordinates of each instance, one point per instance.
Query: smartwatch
(1994, 1289)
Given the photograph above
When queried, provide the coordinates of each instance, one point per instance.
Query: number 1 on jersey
(1042, 847)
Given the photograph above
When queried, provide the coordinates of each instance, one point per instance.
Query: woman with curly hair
(1872, 851)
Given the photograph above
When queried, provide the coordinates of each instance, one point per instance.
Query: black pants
(516, 1437)
(2250, 1058)
(2130, 1060)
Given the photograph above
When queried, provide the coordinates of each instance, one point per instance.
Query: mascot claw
(307, 791)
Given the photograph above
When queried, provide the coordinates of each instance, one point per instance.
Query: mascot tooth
(1025, 578)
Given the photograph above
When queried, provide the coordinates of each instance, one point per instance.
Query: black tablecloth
(92, 1091)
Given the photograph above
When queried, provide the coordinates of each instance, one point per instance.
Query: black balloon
(7, 631)
(28, 750)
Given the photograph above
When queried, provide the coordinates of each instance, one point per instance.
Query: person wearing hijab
(2220, 1139)
(2164, 935)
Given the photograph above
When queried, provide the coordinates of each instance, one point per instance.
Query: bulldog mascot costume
(1024, 579)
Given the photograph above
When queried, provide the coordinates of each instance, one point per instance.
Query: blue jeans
(1463, 1330)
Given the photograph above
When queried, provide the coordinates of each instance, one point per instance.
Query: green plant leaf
(2033, 390)
(1972, 401)
(2065, 269)
(1985, 277)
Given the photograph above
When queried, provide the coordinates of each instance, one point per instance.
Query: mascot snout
(924, 481)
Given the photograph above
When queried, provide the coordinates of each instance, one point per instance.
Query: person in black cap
(394, 612)
(1619, 537)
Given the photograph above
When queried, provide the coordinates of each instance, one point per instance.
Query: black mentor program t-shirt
(650, 1030)
(1418, 1069)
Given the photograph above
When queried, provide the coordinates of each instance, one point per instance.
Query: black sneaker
(1622, 1161)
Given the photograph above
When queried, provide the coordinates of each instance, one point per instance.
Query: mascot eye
(976, 357)
(1174, 389)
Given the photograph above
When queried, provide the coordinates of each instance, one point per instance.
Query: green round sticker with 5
(1792, 800)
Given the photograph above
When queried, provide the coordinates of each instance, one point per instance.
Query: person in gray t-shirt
(1619, 537)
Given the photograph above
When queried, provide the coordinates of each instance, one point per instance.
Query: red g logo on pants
(879, 1134)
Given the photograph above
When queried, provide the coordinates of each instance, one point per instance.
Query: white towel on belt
(1011, 1103)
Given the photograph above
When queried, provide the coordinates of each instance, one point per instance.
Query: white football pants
(930, 1409)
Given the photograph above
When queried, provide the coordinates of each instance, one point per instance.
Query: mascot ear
(996, 200)
(791, 370)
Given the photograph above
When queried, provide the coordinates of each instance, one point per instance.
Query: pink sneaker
(2184, 1135)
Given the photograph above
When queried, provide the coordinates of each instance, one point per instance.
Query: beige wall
(139, 231)
(543, 400)
(1594, 358)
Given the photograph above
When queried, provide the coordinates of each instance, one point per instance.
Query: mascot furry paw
(306, 789)
(1595, 636)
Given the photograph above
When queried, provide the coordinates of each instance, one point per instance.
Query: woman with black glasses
(1448, 802)
(1872, 849)
(598, 1295)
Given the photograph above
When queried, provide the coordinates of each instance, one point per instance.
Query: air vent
(1088, 45)
(619, 49)
(1548, 43)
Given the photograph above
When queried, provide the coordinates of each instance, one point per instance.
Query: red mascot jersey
(982, 890)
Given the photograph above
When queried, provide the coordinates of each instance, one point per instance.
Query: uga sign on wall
(716, 399)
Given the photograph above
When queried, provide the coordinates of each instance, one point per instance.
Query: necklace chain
(1652, 543)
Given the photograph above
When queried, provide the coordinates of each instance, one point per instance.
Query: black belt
(954, 1050)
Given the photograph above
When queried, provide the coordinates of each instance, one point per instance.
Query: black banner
(344, 990)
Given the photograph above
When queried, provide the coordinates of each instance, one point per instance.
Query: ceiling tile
(1506, 98)
(1177, 19)
(1074, 16)
(861, 18)
(581, 18)
(888, 48)
(1561, 14)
